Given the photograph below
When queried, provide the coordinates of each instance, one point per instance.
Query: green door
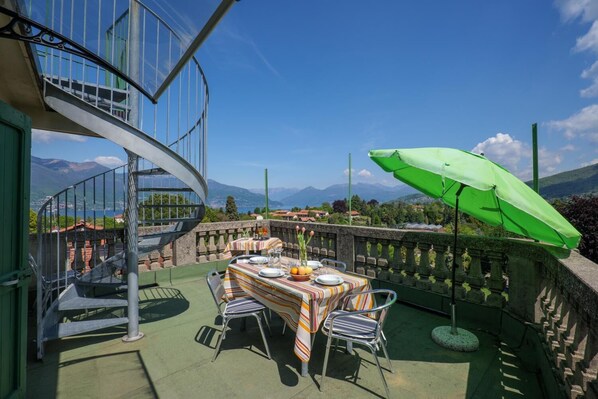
(15, 149)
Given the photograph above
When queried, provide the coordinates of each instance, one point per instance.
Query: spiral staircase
(107, 84)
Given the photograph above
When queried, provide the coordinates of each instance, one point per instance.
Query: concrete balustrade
(528, 291)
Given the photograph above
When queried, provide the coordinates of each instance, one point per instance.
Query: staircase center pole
(133, 333)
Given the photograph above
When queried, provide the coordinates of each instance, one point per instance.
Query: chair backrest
(337, 264)
(382, 310)
(216, 287)
(236, 258)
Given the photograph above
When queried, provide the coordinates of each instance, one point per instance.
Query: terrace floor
(173, 360)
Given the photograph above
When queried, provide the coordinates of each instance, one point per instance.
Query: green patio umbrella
(481, 188)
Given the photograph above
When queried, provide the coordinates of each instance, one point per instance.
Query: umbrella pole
(451, 337)
(454, 268)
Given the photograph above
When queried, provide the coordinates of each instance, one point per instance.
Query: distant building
(119, 218)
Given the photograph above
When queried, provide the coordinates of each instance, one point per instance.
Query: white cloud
(583, 124)
(587, 10)
(44, 136)
(569, 147)
(109, 161)
(515, 155)
(346, 171)
(365, 173)
(592, 162)
(589, 41)
(504, 150)
(590, 73)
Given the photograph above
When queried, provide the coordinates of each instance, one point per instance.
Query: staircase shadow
(155, 304)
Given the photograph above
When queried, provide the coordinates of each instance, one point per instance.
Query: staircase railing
(80, 230)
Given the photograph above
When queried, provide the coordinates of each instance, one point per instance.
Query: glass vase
(302, 256)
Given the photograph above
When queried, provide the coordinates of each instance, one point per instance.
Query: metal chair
(236, 258)
(357, 327)
(235, 309)
(337, 264)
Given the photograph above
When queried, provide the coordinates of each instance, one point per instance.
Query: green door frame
(15, 272)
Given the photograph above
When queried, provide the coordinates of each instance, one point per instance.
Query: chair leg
(373, 350)
(383, 345)
(267, 324)
(259, 323)
(220, 339)
(325, 361)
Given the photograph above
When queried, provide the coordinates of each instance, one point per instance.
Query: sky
(297, 86)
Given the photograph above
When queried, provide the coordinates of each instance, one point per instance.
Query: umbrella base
(463, 341)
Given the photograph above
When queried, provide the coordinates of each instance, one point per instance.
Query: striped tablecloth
(302, 305)
(244, 245)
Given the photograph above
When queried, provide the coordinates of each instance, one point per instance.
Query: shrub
(582, 212)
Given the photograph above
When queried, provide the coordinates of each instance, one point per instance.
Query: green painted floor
(173, 360)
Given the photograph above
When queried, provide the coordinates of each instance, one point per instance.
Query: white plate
(314, 264)
(271, 272)
(329, 279)
(258, 259)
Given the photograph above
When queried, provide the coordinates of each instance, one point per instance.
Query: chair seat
(354, 326)
(242, 306)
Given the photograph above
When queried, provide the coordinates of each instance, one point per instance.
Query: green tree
(357, 204)
(231, 209)
(582, 213)
(32, 221)
(257, 210)
(151, 207)
(326, 207)
(339, 206)
(213, 215)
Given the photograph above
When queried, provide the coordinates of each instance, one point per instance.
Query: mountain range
(49, 176)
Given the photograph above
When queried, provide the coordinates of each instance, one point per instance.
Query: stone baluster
(230, 236)
(372, 260)
(424, 269)
(496, 283)
(212, 248)
(397, 263)
(589, 364)
(96, 253)
(569, 354)
(153, 258)
(166, 256)
(475, 278)
(409, 279)
(440, 271)
(294, 245)
(316, 244)
(325, 245)
(384, 261)
(332, 246)
(360, 255)
(459, 274)
(221, 245)
(202, 249)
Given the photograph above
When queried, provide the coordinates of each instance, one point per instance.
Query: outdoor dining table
(242, 246)
(302, 305)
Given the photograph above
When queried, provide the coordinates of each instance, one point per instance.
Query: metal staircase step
(152, 172)
(112, 281)
(160, 235)
(91, 303)
(166, 189)
(78, 327)
(173, 220)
